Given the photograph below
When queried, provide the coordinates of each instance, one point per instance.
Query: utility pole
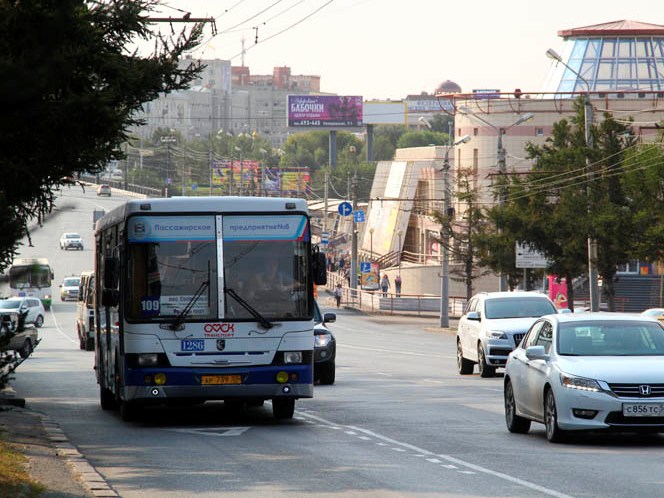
(353, 258)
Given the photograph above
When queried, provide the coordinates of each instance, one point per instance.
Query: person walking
(338, 293)
(385, 284)
(397, 285)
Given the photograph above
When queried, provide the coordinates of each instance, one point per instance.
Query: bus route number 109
(150, 306)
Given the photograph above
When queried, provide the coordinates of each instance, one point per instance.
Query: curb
(76, 461)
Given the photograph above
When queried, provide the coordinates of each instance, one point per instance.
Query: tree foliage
(69, 94)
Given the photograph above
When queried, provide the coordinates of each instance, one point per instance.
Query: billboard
(384, 112)
(324, 111)
(248, 178)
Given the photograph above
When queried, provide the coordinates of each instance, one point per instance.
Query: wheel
(81, 342)
(90, 344)
(26, 349)
(39, 321)
(553, 433)
(464, 365)
(485, 370)
(326, 373)
(129, 410)
(515, 423)
(106, 398)
(283, 408)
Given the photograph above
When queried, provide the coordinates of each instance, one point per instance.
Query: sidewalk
(52, 460)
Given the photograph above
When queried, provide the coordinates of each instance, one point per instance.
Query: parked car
(654, 313)
(71, 240)
(493, 324)
(325, 347)
(104, 189)
(23, 339)
(31, 306)
(69, 288)
(575, 372)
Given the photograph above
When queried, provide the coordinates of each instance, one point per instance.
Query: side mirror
(473, 315)
(110, 298)
(318, 267)
(111, 271)
(536, 353)
(329, 317)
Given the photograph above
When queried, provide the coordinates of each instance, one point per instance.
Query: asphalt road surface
(398, 422)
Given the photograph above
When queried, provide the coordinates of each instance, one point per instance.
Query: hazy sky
(387, 49)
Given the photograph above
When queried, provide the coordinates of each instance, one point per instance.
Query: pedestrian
(397, 285)
(385, 284)
(338, 292)
(342, 265)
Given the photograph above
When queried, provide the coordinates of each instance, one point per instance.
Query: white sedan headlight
(580, 383)
(497, 334)
(322, 340)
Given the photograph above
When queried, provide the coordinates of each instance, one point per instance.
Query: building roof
(615, 28)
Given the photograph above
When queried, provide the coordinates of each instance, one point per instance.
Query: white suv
(71, 240)
(493, 324)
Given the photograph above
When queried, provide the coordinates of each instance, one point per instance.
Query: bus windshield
(31, 275)
(165, 276)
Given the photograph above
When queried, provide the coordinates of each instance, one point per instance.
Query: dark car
(325, 347)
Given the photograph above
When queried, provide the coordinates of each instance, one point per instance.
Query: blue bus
(205, 298)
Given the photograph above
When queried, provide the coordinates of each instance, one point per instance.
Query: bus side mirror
(111, 271)
(110, 298)
(318, 268)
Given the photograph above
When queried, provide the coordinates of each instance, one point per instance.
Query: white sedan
(589, 371)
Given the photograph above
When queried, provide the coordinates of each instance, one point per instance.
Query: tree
(466, 234)
(559, 203)
(70, 93)
(422, 139)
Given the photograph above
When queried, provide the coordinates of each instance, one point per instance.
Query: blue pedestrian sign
(359, 216)
(365, 267)
(345, 208)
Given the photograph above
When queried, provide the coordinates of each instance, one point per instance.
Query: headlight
(147, 359)
(497, 334)
(293, 356)
(580, 383)
(322, 340)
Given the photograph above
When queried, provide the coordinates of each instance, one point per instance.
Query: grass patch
(14, 480)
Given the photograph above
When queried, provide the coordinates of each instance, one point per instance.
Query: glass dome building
(619, 56)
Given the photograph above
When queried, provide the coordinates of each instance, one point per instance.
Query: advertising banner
(558, 291)
(324, 111)
(240, 175)
(371, 278)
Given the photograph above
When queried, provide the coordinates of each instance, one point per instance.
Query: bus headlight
(293, 357)
(147, 359)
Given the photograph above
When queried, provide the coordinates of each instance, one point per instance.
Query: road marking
(57, 327)
(455, 462)
(213, 431)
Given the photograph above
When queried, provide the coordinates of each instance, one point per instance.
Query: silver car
(493, 324)
(31, 307)
(21, 339)
(589, 371)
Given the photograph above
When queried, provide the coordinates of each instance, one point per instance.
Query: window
(475, 131)
(545, 336)
(539, 132)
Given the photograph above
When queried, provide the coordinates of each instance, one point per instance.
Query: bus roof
(30, 261)
(203, 205)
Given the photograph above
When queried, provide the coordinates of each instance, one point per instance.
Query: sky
(388, 49)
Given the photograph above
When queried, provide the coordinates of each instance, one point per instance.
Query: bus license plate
(192, 345)
(221, 379)
(643, 410)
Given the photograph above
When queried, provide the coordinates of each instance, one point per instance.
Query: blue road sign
(359, 216)
(365, 267)
(345, 208)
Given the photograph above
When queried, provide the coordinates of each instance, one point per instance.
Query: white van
(85, 321)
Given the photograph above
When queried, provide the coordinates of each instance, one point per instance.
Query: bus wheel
(90, 344)
(129, 410)
(283, 408)
(81, 341)
(106, 398)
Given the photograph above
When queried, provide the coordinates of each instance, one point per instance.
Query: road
(398, 422)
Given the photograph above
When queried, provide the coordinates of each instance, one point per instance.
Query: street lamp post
(593, 287)
(502, 166)
(444, 277)
(239, 149)
(371, 231)
(399, 234)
